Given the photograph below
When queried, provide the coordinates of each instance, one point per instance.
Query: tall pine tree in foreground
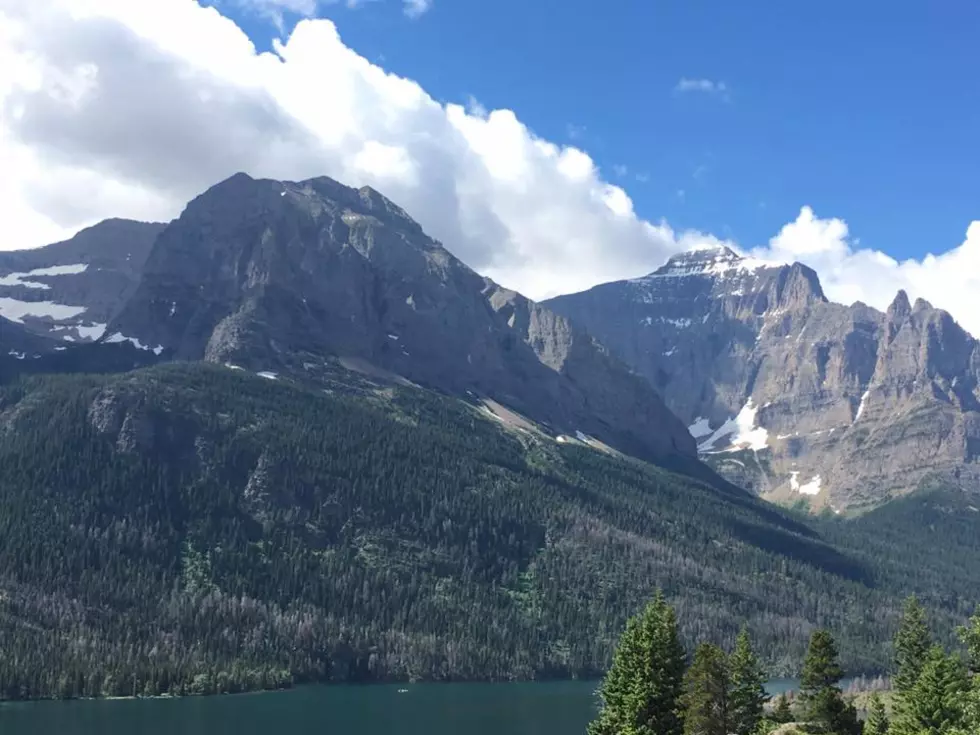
(912, 644)
(877, 721)
(747, 693)
(824, 708)
(705, 700)
(936, 704)
(641, 693)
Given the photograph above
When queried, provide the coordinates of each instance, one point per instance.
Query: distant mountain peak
(714, 260)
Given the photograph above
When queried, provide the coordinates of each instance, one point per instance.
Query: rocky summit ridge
(292, 279)
(800, 398)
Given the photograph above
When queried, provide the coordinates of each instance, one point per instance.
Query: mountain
(69, 291)
(802, 399)
(282, 277)
(313, 445)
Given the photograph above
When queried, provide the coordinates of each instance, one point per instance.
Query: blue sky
(606, 138)
(865, 111)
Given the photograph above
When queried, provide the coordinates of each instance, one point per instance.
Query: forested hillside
(195, 528)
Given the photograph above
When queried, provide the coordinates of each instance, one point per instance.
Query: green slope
(196, 528)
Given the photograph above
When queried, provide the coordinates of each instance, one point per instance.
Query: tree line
(653, 689)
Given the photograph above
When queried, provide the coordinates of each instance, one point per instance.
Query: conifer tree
(935, 704)
(641, 693)
(877, 721)
(912, 644)
(706, 686)
(782, 712)
(824, 707)
(747, 693)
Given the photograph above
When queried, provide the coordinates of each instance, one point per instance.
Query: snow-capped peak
(713, 260)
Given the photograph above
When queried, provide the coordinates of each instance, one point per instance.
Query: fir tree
(823, 702)
(747, 693)
(912, 643)
(970, 635)
(782, 712)
(641, 693)
(935, 704)
(877, 721)
(705, 700)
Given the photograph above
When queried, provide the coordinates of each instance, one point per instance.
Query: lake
(552, 708)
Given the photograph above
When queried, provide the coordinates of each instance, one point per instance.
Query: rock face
(18, 343)
(785, 392)
(69, 291)
(270, 275)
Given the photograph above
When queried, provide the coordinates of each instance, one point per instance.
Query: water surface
(553, 708)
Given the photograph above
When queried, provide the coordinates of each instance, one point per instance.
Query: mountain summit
(786, 392)
(281, 276)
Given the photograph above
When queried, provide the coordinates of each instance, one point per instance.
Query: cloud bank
(115, 108)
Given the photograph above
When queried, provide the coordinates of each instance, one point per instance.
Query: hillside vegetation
(195, 529)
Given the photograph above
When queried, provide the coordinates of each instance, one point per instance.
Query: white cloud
(849, 273)
(275, 10)
(707, 86)
(115, 108)
(415, 8)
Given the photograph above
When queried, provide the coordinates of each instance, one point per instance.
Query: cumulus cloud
(115, 108)
(950, 280)
(705, 86)
(275, 10)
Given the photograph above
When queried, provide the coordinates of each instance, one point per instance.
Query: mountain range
(289, 436)
(797, 397)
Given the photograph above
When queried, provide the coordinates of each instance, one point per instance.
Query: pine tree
(641, 693)
(824, 707)
(877, 721)
(747, 693)
(935, 705)
(912, 643)
(782, 712)
(705, 700)
(970, 635)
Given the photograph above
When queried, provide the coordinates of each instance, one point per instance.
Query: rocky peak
(843, 405)
(797, 285)
(708, 261)
(900, 309)
(271, 275)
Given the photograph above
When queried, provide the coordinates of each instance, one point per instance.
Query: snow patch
(700, 427)
(230, 366)
(119, 337)
(393, 336)
(561, 439)
(864, 403)
(741, 431)
(670, 352)
(581, 437)
(267, 375)
(17, 279)
(18, 355)
(810, 488)
(92, 332)
(15, 310)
